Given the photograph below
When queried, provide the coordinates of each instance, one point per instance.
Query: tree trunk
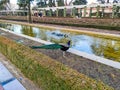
(30, 20)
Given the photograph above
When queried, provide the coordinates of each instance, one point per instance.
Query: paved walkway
(8, 81)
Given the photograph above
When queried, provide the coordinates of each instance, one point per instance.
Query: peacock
(53, 46)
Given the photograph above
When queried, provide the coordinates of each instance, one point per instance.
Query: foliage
(60, 2)
(3, 4)
(46, 72)
(42, 3)
(116, 1)
(116, 10)
(51, 3)
(80, 2)
(108, 1)
(23, 4)
(101, 1)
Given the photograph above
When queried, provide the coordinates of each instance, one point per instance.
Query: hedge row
(46, 72)
(110, 24)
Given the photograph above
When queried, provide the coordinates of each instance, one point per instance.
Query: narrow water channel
(106, 48)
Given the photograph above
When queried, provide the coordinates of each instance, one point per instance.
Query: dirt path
(29, 85)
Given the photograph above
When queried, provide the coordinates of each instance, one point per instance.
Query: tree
(45, 3)
(80, 2)
(116, 1)
(65, 2)
(60, 2)
(42, 3)
(101, 1)
(25, 5)
(107, 1)
(4, 4)
(50, 3)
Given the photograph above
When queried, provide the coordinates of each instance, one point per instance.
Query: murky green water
(106, 48)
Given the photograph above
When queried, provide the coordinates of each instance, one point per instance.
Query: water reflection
(99, 46)
(82, 43)
(107, 48)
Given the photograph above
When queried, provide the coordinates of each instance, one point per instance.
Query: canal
(107, 48)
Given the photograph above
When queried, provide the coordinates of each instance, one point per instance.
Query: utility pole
(29, 7)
